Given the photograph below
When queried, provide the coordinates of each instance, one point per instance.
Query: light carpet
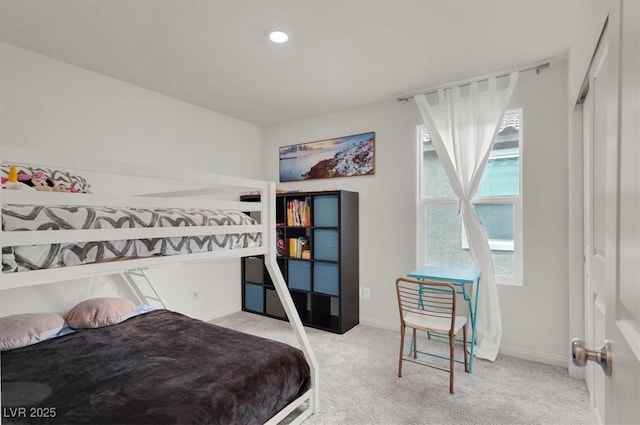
(359, 382)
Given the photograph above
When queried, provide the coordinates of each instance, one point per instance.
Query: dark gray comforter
(157, 368)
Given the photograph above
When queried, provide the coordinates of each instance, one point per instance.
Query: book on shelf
(292, 247)
(299, 248)
(299, 212)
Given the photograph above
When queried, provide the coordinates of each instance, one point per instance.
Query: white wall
(52, 106)
(534, 315)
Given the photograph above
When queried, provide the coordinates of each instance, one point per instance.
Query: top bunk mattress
(36, 257)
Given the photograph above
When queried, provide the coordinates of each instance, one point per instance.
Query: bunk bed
(206, 371)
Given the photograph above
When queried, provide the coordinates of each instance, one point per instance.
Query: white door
(611, 117)
(622, 389)
(594, 149)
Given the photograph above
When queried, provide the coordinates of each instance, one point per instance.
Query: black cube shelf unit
(318, 233)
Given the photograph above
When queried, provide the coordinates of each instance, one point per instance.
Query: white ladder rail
(137, 278)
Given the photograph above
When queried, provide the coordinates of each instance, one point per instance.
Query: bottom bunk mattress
(156, 368)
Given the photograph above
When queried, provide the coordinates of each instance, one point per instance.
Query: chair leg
(402, 329)
(451, 353)
(466, 354)
(415, 344)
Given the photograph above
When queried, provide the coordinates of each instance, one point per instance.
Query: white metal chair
(430, 306)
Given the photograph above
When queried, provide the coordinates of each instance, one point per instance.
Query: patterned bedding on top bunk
(29, 217)
(138, 372)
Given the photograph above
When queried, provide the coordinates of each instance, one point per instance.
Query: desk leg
(472, 315)
(473, 308)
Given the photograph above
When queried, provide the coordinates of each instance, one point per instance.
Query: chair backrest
(427, 298)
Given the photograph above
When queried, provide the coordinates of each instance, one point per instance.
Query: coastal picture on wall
(339, 157)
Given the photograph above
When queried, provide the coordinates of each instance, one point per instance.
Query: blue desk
(464, 279)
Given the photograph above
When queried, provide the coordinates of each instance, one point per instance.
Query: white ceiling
(341, 53)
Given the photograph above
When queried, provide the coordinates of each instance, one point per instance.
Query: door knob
(581, 354)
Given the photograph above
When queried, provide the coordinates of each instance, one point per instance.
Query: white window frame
(495, 245)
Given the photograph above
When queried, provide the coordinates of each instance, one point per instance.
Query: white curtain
(462, 129)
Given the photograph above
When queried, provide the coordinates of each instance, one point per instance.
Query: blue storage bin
(299, 276)
(254, 297)
(325, 210)
(325, 278)
(325, 244)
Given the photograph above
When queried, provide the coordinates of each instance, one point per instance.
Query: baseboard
(379, 324)
(221, 313)
(546, 358)
(507, 350)
(576, 372)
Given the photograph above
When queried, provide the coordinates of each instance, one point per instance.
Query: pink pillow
(98, 312)
(21, 330)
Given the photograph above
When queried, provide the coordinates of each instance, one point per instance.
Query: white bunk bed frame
(193, 198)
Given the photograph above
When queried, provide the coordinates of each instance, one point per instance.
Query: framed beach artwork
(339, 157)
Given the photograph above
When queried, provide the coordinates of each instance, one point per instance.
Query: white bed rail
(196, 200)
(270, 262)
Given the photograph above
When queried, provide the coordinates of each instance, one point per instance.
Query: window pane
(501, 178)
(443, 239)
(443, 246)
(435, 183)
(497, 220)
(503, 263)
(502, 174)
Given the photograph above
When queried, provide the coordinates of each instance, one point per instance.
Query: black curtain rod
(537, 68)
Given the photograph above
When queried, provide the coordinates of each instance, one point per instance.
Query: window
(442, 238)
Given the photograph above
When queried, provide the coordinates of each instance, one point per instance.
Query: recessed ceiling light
(278, 36)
